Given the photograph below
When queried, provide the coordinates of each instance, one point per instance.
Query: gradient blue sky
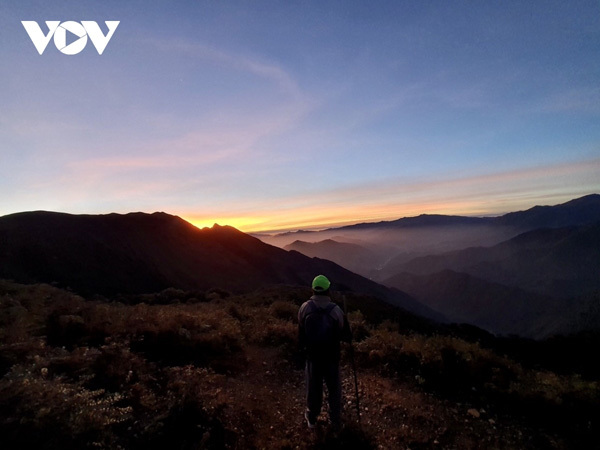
(269, 115)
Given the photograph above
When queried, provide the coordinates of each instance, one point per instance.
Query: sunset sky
(272, 115)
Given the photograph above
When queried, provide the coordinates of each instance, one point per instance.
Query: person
(321, 326)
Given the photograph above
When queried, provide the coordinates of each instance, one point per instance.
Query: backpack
(322, 332)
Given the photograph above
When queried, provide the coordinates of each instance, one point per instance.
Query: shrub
(65, 329)
(217, 293)
(381, 348)
(13, 320)
(170, 295)
(182, 334)
(284, 310)
(358, 325)
(236, 312)
(280, 333)
(53, 413)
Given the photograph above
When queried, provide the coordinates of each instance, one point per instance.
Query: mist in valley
(375, 251)
(531, 273)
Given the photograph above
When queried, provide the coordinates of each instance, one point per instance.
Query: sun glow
(245, 224)
(320, 217)
(478, 195)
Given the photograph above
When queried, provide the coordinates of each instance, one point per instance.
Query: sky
(272, 115)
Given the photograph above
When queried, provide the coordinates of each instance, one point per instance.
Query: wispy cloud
(570, 178)
(480, 195)
(206, 144)
(255, 66)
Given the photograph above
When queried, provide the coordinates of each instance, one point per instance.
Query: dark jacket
(342, 330)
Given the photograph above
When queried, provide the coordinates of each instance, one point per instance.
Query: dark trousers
(329, 372)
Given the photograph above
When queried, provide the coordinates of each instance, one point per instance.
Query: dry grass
(107, 374)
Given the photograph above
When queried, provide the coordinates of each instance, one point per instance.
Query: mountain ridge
(349, 255)
(140, 252)
(579, 211)
(497, 308)
(559, 262)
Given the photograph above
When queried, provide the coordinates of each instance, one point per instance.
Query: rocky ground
(264, 407)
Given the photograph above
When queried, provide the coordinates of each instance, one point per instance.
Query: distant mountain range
(498, 308)
(580, 211)
(557, 262)
(532, 273)
(386, 245)
(349, 255)
(140, 253)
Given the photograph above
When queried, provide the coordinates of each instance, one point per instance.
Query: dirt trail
(264, 405)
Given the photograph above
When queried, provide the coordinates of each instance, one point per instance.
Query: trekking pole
(353, 366)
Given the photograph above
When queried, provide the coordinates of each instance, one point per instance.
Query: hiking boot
(311, 425)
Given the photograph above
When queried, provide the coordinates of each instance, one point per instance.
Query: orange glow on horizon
(324, 217)
(482, 195)
(245, 224)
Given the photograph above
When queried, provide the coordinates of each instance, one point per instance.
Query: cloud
(206, 144)
(570, 178)
(255, 66)
(480, 195)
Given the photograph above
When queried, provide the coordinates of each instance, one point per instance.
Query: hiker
(321, 327)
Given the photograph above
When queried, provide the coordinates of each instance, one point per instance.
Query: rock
(473, 412)
(68, 320)
(185, 334)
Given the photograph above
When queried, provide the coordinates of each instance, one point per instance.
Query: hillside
(533, 273)
(183, 370)
(395, 242)
(540, 283)
(557, 262)
(577, 212)
(140, 253)
(492, 306)
(581, 211)
(354, 257)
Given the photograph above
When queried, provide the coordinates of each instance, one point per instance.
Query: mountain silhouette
(559, 262)
(492, 306)
(394, 243)
(423, 220)
(351, 256)
(141, 253)
(532, 273)
(581, 211)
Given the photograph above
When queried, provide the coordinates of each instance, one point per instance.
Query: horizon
(309, 228)
(272, 117)
(317, 228)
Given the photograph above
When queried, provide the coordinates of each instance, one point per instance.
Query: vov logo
(81, 31)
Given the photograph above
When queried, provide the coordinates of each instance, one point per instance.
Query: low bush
(42, 412)
(284, 310)
(106, 374)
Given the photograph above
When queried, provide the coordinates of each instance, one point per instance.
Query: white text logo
(81, 32)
